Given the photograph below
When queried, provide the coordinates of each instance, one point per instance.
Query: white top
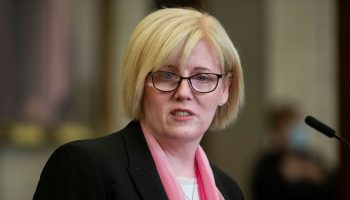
(189, 187)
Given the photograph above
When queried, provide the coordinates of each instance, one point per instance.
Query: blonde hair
(178, 30)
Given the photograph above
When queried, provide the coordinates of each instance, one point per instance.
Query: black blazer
(117, 166)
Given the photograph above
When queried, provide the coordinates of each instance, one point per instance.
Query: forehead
(200, 58)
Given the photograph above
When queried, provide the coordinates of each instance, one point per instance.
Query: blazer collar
(141, 165)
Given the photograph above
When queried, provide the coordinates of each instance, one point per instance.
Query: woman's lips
(182, 114)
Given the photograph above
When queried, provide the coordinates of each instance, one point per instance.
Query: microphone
(323, 128)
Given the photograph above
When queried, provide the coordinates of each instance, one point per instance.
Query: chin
(187, 132)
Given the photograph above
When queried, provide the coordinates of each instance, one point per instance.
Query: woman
(182, 76)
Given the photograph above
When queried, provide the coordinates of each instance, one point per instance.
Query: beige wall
(125, 16)
(288, 51)
(300, 51)
(234, 150)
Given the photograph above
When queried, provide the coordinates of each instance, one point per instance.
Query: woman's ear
(227, 80)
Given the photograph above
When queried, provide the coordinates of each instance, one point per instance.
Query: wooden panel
(344, 94)
(200, 4)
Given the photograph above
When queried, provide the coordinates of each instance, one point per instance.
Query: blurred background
(60, 80)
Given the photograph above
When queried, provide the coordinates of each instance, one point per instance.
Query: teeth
(182, 113)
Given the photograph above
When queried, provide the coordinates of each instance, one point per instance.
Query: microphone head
(323, 128)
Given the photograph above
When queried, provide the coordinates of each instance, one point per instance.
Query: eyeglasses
(166, 81)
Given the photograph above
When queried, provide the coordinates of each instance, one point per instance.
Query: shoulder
(86, 168)
(99, 146)
(99, 153)
(227, 186)
(102, 149)
(85, 155)
(103, 146)
(96, 148)
(71, 165)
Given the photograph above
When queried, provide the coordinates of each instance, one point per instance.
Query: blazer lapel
(141, 165)
(219, 185)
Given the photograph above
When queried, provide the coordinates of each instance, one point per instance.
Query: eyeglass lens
(168, 81)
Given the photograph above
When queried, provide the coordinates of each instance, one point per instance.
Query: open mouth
(181, 113)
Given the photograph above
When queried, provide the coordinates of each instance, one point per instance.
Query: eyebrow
(169, 67)
(175, 68)
(201, 69)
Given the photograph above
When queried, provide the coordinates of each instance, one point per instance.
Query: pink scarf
(205, 179)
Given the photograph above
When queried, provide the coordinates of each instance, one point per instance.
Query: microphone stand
(343, 140)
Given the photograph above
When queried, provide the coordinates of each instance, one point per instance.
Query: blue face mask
(298, 138)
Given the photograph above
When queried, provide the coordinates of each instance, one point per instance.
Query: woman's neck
(181, 157)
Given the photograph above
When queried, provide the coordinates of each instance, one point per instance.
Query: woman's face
(184, 114)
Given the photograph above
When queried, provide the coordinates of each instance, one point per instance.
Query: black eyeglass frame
(189, 80)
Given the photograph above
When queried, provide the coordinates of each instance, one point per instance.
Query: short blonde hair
(178, 30)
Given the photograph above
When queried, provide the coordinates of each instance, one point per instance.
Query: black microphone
(323, 128)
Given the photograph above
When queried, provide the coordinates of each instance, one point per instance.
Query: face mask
(298, 138)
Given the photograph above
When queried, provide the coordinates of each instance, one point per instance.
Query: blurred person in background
(289, 170)
(182, 76)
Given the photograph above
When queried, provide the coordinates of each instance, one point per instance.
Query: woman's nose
(184, 91)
